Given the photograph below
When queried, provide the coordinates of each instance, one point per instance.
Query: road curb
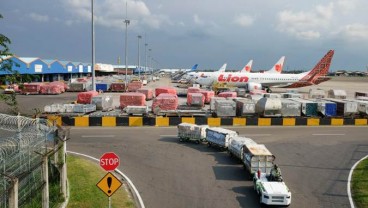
(349, 180)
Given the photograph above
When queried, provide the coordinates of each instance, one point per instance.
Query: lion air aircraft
(277, 68)
(253, 81)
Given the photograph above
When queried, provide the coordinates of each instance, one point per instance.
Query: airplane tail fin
(248, 67)
(277, 68)
(194, 67)
(223, 68)
(322, 67)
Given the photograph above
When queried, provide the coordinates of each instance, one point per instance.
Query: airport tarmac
(28, 103)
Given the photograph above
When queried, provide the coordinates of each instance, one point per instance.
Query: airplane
(178, 70)
(277, 68)
(258, 81)
(195, 75)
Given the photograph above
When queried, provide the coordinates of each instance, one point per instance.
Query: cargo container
(219, 137)
(48, 89)
(84, 108)
(269, 107)
(31, 88)
(147, 92)
(344, 107)
(86, 97)
(225, 108)
(136, 110)
(167, 90)
(132, 98)
(63, 86)
(193, 90)
(337, 94)
(245, 107)
(77, 87)
(316, 93)
(309, 108)
(361, 94)
(227, 94)
(255, 97)
(117, 87)
(236, 146)
(164, 101)
(207, 95)
(290, 108)
(213, 100)
(104, 87)
(240, 92)
(192, 132)
(326, 108)
(195, 99)
(272, 95)
(362, 106)
(257, 157)
(54, 108)
(291, 95)
(134, 86)
(103, 102)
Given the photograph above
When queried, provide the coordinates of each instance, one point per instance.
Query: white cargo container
(290, 108)
(213, 100)
(84, 108)
(236, 146)
(219, 137)
(317, 93)
(309, 108)
(103, 102)
(291, 95)
(245, 107)
(136, 110)
(269, 107)
(257, 157)
(192, 132)
(225, 108)
(337, 94)
(272, 95)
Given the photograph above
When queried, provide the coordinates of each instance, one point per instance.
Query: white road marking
(328, 134)
(130, 183)
(98, 136)
(246, 135)
(349, 179)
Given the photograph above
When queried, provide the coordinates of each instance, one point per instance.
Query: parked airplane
(277, 68)
(253, 81)
(195, 75)
(177, 70)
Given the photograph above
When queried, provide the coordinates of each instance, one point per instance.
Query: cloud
(197, 20)
(39, 17)
(356, 31)
(347, 6)
(244, 20)
(111, 13)
(306, 24)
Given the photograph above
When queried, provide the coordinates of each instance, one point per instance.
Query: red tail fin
(322, 67)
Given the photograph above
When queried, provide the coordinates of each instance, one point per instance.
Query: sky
(180, 34)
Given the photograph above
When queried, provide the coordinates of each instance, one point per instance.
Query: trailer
(326, 108)
(290, 108)
(245, 107)
(192, 132)
(236, 146)
(309, 108)
(257, 157)
(269, 107)
(219, 137)
(225, 108)
(344, 107)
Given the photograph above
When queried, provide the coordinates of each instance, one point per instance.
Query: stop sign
(109, 161)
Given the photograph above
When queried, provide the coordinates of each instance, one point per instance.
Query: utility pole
(139, 59)
(93, 47)
(127, 22)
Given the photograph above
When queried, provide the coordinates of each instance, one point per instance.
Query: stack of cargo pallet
(207, 95)
(86, 97)
(193, 89)
(227, 94)
(117, 87)
(134, 86)
(132, 98)
(31, 88)
(195, 99)
(166, 90)
(48, 89)
(63, 86)
(165, 101)
(147, 92)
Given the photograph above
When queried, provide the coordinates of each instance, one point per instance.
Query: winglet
(248, 67)
(277, 68)
(223, 68)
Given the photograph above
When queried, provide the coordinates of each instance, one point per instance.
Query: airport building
(48, 70)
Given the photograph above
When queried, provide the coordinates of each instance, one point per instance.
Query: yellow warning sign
(109, 184)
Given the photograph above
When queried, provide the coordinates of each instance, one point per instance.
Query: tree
(6, 65)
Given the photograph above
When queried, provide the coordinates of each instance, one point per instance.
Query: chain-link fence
(23, 148)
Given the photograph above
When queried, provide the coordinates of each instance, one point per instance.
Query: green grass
(83, 175)
(360, 184)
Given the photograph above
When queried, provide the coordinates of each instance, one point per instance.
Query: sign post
(109, 161)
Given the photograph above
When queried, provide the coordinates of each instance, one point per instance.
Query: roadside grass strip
(360, 184)
(83, 175)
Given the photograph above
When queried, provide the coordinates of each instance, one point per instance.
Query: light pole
(126, 21)
(145, 57)
(139, 59)
(149, 65)
(93, 48)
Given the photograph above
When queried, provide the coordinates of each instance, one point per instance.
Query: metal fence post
(45, 189)
(63, 172)
(13, 194)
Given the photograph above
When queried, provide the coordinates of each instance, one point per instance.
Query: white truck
(236, 146)
(219, 137)
(271, 192)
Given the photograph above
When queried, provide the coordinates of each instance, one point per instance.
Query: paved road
(315, 163)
